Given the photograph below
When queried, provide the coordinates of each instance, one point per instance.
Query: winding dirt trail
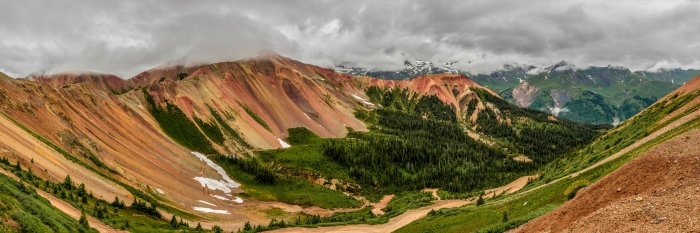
(410, 215)
(511, 187)
(377, 210)
(434, 192)
(392, 225)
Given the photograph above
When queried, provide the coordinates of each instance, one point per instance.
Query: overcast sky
(127, 37)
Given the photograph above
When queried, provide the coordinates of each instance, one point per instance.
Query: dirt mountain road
(411, 215)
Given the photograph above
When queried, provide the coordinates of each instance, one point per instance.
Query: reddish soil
(166, 72)
(658, 191)
(452, 89)
(690, 86)
(93, 80)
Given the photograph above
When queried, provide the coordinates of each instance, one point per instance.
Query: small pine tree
(81, 190)
(247, 226)
(173, 222)
(116, 203)
(480, 201)
(217, 229)
(22, 187)
(67, 183)
(273, 223)
(199, 227)
(83, 220)
(505, 216)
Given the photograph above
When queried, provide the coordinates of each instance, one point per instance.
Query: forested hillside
(418, 142)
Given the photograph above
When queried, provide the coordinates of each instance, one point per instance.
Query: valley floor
(413, 215)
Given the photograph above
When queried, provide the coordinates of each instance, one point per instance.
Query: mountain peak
(102, 81)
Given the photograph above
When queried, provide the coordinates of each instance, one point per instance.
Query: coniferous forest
(420, 142)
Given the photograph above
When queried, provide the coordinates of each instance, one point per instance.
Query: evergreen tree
(173, 222)
(505, 216)
(247, 226)
(83, 220)
(67, 183)
(199, 227)
(480, 201)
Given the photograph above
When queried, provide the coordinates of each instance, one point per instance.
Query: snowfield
(229, 182)
(224, 185)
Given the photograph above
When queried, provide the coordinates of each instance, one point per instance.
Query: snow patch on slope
(207, 203)
(361, 100)
(224, 185)
(208, 210)
(219, 197)
(283, 143)
(228, 181)
(214, 184)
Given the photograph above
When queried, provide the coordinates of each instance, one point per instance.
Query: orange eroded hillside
(116, 129)
(452, 89)
(284, 93)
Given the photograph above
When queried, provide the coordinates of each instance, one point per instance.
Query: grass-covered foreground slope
(668, 118)
(29, 211)
(23, 210)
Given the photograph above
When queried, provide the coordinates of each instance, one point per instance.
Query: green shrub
(301, 136)
(571, 191)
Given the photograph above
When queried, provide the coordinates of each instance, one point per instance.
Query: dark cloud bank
(126, 37)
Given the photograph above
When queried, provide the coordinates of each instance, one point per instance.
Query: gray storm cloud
(127, 37)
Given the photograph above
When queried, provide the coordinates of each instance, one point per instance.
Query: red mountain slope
(93, 80)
